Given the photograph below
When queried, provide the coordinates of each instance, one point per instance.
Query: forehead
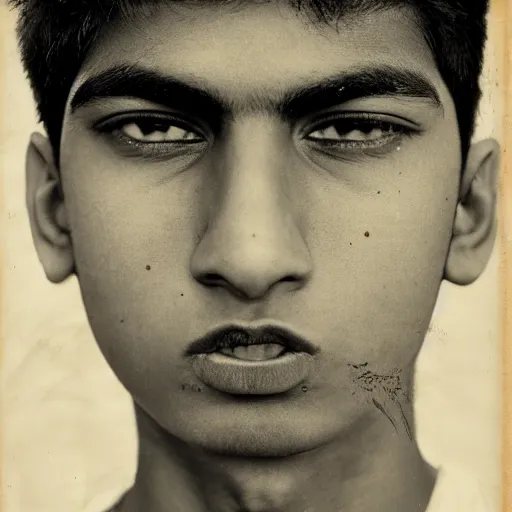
(260, 46)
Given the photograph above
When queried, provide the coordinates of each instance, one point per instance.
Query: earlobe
(474, 228)
(47, 211)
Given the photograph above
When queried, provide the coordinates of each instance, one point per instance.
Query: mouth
(261, 352)
(242, 361)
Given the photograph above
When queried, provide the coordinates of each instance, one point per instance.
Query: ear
(47, 212)
(474, 228)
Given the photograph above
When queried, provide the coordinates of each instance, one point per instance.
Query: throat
(263, 352)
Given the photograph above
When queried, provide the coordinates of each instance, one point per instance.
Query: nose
(252, 242)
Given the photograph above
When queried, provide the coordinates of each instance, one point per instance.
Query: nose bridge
(253, 199)
(253, 239)
(255, 196)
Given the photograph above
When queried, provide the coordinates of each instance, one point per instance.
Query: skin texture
(346, 247)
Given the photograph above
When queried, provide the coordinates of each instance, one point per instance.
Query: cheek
(379, 260)
(132, 243)
(125, 219)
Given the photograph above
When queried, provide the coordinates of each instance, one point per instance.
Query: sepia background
(68, 432)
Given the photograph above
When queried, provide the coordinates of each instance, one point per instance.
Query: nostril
(211, 279)
(293, 281)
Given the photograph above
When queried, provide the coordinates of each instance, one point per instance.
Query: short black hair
(55, 37)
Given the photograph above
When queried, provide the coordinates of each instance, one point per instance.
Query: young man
(260, 201)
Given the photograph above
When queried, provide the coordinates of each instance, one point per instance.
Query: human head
(257, 223)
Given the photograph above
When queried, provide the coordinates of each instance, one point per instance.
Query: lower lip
(240, 377)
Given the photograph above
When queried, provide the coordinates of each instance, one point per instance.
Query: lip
(234, 335)
(238, 377)
(241, 377)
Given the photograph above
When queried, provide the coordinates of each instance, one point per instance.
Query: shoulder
(115, 506)
(458, 489)
(105, 503)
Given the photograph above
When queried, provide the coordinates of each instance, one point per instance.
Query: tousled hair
(55, 37)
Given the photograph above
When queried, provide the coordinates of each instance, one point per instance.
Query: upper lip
(234, 336)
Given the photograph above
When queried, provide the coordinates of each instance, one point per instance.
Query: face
(290, 174)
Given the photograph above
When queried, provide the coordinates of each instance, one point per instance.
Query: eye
(150, 128)
(158, 132)
(364, 131)
(154, 135)
(144, 131)
(334, 132)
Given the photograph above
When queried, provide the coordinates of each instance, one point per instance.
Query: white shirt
(457, 491)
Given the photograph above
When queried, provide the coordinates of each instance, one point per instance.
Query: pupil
(344, 127)
(149, 127)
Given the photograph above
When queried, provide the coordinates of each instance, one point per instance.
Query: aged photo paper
(69, 433)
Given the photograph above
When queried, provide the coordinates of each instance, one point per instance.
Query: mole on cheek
(191, 387)
(148, 267)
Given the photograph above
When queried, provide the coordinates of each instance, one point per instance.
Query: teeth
(254, 352)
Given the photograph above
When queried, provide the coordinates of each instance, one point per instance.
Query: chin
(253, 432)
(257, 445)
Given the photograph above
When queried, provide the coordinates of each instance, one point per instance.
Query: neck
(373, 468)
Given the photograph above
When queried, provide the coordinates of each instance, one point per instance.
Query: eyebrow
(194, 96)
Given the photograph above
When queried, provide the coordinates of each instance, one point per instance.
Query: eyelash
(360, 120)
(115, 123)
